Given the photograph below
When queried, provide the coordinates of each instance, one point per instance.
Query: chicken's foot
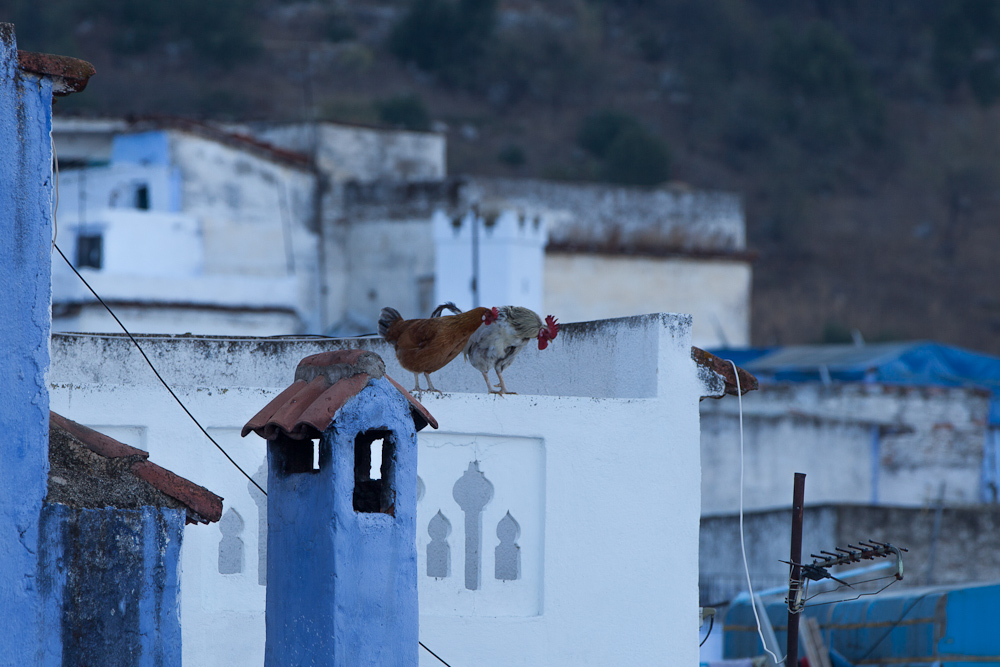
(503, 387)
(489, 387)
(430, 386)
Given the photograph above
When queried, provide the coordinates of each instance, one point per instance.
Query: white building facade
(182, 232)
(587, 503)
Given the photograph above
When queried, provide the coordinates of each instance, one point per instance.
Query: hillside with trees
(863, 135)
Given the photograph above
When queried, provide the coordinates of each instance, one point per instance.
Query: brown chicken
(428, 345)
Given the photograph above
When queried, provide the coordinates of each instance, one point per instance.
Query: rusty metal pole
(795, 580)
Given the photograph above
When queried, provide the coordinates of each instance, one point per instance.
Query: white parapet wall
(584, 488)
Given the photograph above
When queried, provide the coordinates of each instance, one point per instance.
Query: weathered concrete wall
(365, 154)
(601, 217)
(110, 582)
(716, 292)
(596, 460)
(857, 442)
(387, 263)
(26, 230)
(964, 548)
(342, 584)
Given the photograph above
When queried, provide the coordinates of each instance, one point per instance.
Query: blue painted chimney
(341, 510)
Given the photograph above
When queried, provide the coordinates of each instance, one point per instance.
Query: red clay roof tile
(203, 505)
(323, 384)
(206, 504)
(96, 442)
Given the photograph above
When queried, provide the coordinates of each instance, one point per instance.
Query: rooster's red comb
(552, 325)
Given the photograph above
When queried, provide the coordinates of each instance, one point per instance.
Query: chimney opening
(374, 467)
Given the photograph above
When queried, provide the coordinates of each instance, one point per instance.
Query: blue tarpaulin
(951, 626)
(913, 363)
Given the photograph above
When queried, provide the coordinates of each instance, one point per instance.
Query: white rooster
(495, 345)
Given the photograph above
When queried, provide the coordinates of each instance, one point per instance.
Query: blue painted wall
(141, 148)
(342, 585)
(25, 293)
(109, 580)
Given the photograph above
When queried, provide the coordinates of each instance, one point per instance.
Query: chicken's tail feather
(386, 319)
(450, 305)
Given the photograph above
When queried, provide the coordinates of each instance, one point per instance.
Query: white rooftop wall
(596, 460)
(86, 192)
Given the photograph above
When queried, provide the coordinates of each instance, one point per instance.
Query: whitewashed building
(589, 530)
(186, 229)
(374, 220)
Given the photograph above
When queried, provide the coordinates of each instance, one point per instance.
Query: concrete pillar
(341, 545)
(25, 267)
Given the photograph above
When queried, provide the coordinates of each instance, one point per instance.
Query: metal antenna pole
(795, 580)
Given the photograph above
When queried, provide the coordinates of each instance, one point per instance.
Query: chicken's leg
(430, 386)
(503, 387)
(489, 387)
(416, 384)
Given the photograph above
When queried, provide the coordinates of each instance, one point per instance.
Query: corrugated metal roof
(323, 384)
(203, 506)
(833, 357)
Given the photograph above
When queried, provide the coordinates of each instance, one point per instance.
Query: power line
(155, 372)
(433, 653)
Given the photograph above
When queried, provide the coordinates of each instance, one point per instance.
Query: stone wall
(607, 218)
(880, 443)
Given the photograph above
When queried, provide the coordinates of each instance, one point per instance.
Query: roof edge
(70, 75)
(737, 380)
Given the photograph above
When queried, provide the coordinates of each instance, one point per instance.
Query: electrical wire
(55, 184)
(743, 546)
(433, 653)
(711, 624)
(157, 373)
(893, 626)
(856, 597)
